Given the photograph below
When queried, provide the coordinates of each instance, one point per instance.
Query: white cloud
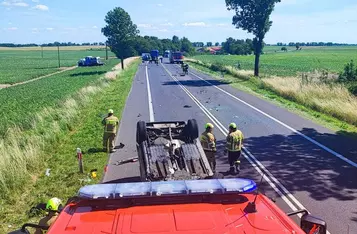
(160, 5)
(18, 3)
(12, 28)
(49, 29)
(41, 7)
(6, 3)
(167, 24)
(163, 30)
(144, 25)
(195, 24)
(221, 25)
(36, 1)
(21, 4)
(95, 27)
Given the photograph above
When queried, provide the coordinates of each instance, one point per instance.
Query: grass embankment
(332, 106)
(82, 115)
(22, 65)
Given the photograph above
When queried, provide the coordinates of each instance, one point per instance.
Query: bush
(218, 67)
(353, 89)
(349, 73)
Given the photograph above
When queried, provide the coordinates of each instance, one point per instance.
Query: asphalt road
(304, 165)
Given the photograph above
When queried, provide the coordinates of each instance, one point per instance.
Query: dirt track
(3, 86)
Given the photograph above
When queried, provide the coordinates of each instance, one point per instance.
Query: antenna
(251, 207)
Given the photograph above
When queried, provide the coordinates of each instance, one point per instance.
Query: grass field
(19, 104)
(21, 64)
(291, 63)
(85, 132)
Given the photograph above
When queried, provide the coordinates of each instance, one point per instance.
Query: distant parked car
(90, 61)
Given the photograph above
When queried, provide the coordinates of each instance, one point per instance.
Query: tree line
(56, 43)
(313, 44)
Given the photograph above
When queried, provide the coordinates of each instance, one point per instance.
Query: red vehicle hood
(222, 216)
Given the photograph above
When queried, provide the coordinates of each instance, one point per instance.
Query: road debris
(187, 106)
(129, 160)
(121, 145)
(139, 115)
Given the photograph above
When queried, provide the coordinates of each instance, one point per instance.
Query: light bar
(167, 188)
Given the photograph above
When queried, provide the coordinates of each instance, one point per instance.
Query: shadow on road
(124, 180)
(91, 73)
(197, 83)
(303, 166)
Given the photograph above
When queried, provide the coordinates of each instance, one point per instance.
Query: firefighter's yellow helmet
(209, 125)
(232, 125)
(53, 204)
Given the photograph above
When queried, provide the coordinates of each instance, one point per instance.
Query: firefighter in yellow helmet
(234, 147)
(208, 142)
(111, 124)
(53, 207)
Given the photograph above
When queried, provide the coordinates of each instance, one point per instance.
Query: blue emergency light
(167, 188)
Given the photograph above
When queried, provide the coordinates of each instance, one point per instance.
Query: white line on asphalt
(283, 124)
(262, 170)
(151, 109)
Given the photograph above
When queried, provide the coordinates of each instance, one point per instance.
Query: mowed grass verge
(21, 65)
(60, 156)
(332, 107)
(291, 63)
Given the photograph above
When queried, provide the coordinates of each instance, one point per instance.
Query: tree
(121, 33)
(254, 17)
(186, 46)
(216, 44)
(297, 45)
(209, 44)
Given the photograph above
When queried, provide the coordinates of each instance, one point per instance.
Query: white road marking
(262, 170)
(283, 124)
(151, 109)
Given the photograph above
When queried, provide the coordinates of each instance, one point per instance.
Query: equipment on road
(191, 206)
(171, 151)
(90, 61)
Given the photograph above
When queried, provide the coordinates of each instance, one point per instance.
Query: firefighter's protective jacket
(111, 124)
(208, 141)
(234, 141)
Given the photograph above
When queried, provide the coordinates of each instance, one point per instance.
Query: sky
(44, 21)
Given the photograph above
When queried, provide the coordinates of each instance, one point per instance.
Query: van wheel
(192, 129)
(141, 134)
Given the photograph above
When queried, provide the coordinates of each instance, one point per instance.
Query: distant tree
(253, 16)
(297, 45)
(186, 46)
(216, 44)
(284, 49)
(121, 33)
(209, 44)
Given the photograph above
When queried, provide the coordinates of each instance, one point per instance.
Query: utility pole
(106, 51)
(59, 61)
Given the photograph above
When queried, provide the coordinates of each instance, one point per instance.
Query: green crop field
(21, 65)
(291, 63)
(18, 104)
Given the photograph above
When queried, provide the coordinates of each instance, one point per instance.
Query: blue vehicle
(154, 56)
(90, 61)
